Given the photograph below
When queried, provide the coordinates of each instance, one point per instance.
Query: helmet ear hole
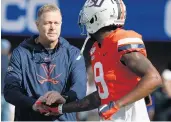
(92, 20)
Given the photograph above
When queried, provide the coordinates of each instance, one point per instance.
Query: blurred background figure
(167, 80)
(5, 52)
(8, 114)
(163, 97)
(151, 108)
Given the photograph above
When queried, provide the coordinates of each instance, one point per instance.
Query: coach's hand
(54, 97)
(39, 107)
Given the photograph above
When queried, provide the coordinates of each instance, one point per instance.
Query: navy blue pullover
(33, 71)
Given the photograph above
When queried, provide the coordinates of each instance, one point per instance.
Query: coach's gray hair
(48, 8)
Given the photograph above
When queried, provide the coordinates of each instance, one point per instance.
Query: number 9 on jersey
(100, 81)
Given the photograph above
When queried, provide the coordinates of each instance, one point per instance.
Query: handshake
(50, 104)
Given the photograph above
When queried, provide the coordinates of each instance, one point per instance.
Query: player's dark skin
(137, 63)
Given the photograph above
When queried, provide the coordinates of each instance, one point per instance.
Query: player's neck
(101, 36)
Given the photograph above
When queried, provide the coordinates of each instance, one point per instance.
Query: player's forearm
(90, 102)
(150, 78)
(145, 86)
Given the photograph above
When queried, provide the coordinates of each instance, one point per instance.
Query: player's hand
(55, 110)
(106, 111)
(39, 107)
(54, 97)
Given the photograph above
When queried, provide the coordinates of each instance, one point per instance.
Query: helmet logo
(94, 3)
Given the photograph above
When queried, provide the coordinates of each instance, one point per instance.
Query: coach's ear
(37, 24)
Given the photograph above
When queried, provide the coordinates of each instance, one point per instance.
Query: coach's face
(49, 25)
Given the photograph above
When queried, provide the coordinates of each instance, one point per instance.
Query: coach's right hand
(54, 97)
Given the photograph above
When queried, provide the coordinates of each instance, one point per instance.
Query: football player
(122, 73)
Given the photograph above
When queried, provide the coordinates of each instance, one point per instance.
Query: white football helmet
(96, 14)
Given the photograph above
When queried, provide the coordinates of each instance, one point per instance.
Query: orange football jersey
(114, 79)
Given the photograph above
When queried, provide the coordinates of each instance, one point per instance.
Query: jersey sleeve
(131, 42)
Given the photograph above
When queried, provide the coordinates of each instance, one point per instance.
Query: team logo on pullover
(48, 71)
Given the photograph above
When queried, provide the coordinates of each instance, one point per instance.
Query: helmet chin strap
(83, 47)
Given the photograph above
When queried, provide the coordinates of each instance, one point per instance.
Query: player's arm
(89, 102)
(150, 78)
